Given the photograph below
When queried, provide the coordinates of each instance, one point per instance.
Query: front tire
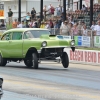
(65, 60)
(32, 62)
(3, 61)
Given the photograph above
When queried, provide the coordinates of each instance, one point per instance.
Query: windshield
(38, 33)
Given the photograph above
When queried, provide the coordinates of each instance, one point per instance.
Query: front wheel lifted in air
(65, 60)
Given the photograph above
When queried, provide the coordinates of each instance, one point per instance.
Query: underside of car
(50, 53)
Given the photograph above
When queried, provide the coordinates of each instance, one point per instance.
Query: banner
(97, 41)
(82, 41)
(63, 37)
(84, 56)
(1, 10)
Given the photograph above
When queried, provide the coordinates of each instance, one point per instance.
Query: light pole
(41, 10)
(80, 4)
(64, 6)
(91, 12)
(19, 10)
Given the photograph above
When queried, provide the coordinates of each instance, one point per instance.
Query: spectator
(47, 26)
(2, 25)
(23, 25)
(19, 25)
(10, 14)
(35, 25)
(56, 28)
(74, 30)
(51, 23)
(84, 31)
(93, 25)
(52, 9)
(33, 13)
(28, 16)
(97, 29)
(45, 10)
(27, 25)
(58, 10)
(38, 23)
(42, 25)
(49, 10)
(83, 8)
(64, 29)
(14, 24)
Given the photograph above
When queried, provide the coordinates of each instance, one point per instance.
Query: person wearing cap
(64, 29)
(10, 14)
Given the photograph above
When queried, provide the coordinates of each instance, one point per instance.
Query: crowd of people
(57, 22)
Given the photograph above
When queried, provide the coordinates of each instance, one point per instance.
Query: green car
(33, 45)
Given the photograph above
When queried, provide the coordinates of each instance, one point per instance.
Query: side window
(27, 35)
(6, 37)
(17, 36)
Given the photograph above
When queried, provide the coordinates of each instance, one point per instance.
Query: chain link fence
(83, 38)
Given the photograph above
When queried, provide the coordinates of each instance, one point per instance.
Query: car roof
(24, 29)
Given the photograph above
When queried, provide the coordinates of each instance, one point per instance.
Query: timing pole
(19, 10)
(80, 4)
(41, 10)
(64, 6)
(91, 12)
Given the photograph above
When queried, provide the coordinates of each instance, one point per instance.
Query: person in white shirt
(93, 25)
(49, 7)
(19, 25)
(58, 10)
(84, 31)
(47, 26)
(64, 29)
(97, 28)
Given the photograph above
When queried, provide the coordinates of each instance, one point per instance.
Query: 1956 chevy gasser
(32, 45)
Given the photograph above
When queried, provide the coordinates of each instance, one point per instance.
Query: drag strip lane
(53, 81)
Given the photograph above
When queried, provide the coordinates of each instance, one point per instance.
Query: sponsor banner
(97, 41)
(63, 37)
(82, 41)
(1, 10)
(84, 56)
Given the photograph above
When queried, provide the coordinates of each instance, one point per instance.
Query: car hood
(57, 40)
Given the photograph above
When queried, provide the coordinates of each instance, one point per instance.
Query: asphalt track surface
(50, 82)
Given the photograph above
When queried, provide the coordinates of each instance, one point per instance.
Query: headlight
(44, 44)
(72, 43)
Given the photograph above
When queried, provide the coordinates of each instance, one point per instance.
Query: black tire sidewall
(35, 58)
(65, 60)
(3, 61)
(28, 64)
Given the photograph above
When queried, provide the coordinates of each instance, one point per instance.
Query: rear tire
(32, 62)
(3, 61)
(65, 60)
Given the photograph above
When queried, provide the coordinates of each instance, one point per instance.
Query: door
(16, 45)
(4, 44)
